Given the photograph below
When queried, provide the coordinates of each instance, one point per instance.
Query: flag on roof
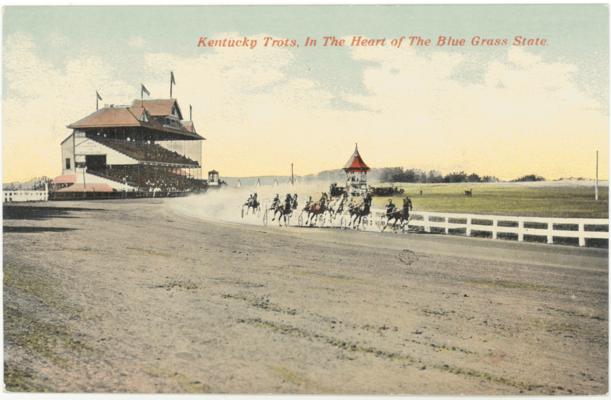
(172, 78)
(98, 95)
(143, 90)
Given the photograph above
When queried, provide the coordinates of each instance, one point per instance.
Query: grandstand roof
(107, 117)
(189, 125)
(356, 163)
(64, 179)
(114, 117)
(156, 107)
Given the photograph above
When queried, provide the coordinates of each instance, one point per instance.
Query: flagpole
(171, 85)
(596, 183)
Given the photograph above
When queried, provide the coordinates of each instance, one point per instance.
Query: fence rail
(18, 196)
(498, 225)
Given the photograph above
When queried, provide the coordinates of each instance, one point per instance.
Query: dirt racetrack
(130, 296)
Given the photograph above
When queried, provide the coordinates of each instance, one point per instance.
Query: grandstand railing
(548, 230)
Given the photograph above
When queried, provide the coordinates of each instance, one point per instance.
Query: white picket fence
(499, 226)
(19, 196)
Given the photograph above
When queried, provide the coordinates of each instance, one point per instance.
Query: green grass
(542, 200)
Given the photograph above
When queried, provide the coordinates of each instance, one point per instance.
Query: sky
(497, 110)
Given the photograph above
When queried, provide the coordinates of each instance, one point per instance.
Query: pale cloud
(136, 41)
(526, 116)
(256, 115)
(41, 99)
(56, 39)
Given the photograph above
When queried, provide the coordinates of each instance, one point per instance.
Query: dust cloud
(226, 203)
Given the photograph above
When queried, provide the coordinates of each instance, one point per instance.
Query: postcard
(306, 199)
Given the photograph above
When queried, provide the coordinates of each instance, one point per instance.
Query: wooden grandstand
(143, 149)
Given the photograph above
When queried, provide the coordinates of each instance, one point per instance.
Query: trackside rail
(499, 226)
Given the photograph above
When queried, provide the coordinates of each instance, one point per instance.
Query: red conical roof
(356, 163)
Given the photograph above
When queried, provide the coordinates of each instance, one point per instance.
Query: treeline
(412, 175)
(37, 183)
(529, 178)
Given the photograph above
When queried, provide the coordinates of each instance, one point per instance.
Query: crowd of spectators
(143, 151)
(149, 178)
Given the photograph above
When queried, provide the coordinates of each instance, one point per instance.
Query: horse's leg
(386, 224)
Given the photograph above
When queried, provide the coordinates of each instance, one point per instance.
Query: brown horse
(317, 210)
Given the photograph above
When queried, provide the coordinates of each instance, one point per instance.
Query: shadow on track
(38, 213)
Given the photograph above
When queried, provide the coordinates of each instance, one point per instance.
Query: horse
(358, 211)
(317, 210)
(251, 203)
(399, 216)
(338, 206)
(285, 210)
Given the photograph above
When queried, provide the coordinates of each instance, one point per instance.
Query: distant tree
(434, 177)
(488, 178)
(409, 175)
(474, 178)
(391, 174)
(529, 178)
(454, 177)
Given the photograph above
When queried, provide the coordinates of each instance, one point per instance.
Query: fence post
(445, 225)
(520, 230)
(494, 225)
(582, 235)
(468, 230)
(427, 225)
(550, 233)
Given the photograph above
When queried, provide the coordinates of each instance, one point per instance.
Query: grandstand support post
(73, 152)
(84, 184)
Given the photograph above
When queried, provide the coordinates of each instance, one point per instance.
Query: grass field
(543, 200)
